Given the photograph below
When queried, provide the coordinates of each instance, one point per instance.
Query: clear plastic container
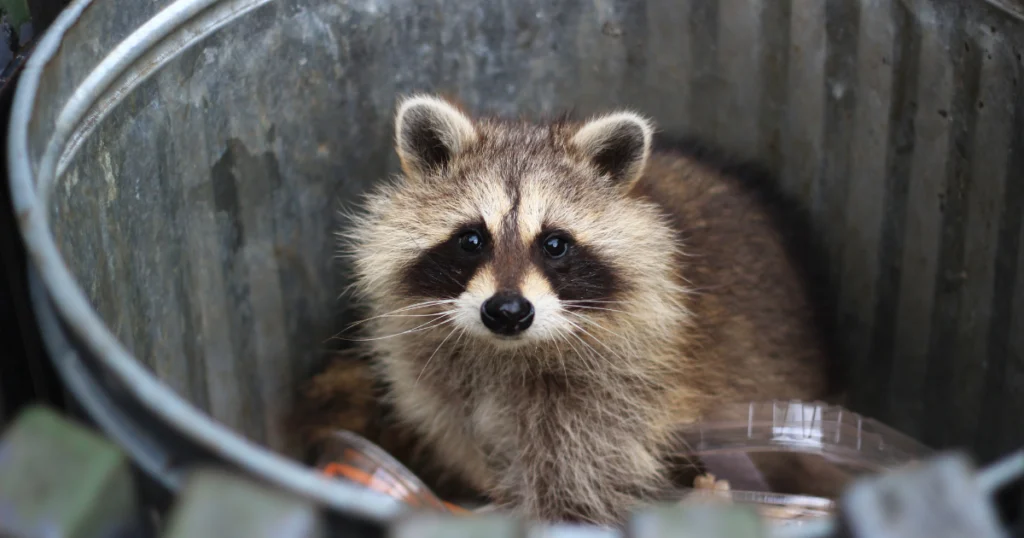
(834, 444)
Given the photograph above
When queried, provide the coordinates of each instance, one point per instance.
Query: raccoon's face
(513, 233)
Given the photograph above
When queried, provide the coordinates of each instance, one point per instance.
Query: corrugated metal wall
(900, 124)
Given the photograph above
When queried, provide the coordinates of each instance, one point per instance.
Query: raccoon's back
(757, 324)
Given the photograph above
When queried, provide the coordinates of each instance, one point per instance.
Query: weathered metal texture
(197, 204)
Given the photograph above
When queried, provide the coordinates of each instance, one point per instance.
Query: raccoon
(548, 301)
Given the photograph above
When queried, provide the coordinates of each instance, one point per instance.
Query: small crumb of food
(708, 488)
(707, 481)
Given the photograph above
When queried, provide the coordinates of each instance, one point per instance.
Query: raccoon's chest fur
(549, 411)
(544, 443)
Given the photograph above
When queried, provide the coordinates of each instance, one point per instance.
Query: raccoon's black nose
(507, 313)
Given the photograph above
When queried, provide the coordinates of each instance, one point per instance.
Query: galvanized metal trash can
(176, 167)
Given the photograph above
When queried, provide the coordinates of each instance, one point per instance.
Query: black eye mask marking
(444, 270)
(576, 272)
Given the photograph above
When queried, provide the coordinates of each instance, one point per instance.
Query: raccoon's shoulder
(700, 186)
(732, 212)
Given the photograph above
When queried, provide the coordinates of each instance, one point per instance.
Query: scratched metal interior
(198, 216)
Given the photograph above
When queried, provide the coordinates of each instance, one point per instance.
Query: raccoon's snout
(507, 313)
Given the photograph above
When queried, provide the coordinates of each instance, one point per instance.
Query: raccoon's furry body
(656, 287)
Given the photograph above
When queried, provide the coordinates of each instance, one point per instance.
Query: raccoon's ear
(618, 144)
(429, 132)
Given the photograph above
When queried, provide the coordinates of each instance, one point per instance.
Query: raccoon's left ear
(429, 133)
(617, 144)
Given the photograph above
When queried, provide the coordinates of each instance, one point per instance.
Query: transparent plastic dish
(834, 443)
(830, 445)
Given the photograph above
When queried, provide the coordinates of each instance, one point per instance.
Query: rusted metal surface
(200, 174)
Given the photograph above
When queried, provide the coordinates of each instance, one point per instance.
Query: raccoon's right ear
(429, 133)
(617, 144)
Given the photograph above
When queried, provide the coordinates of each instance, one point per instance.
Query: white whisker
(580, 354)
(450, 317)
(596, 324)
(403, 309)
(599, 308)
(585, 343)
(589, 301)
(598, 340)
(438, 348)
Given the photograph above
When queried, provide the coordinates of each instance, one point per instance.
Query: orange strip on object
(363, 478)
(455, 509)
(349, 472)
(358, 476)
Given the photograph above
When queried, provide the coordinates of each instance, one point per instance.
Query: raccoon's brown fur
(678, 296)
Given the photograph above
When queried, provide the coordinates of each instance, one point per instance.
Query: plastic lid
(725, 440)
(793, 426)
(722, 441)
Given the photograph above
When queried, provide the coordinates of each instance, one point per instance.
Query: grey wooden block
(697, 520)
(220, 504)
(60, 479)
(937, 499)
(431, 525)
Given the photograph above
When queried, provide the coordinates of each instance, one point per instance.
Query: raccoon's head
(516, 233)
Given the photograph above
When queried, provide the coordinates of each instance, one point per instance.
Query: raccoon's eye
(471, 241)
(555, 246)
